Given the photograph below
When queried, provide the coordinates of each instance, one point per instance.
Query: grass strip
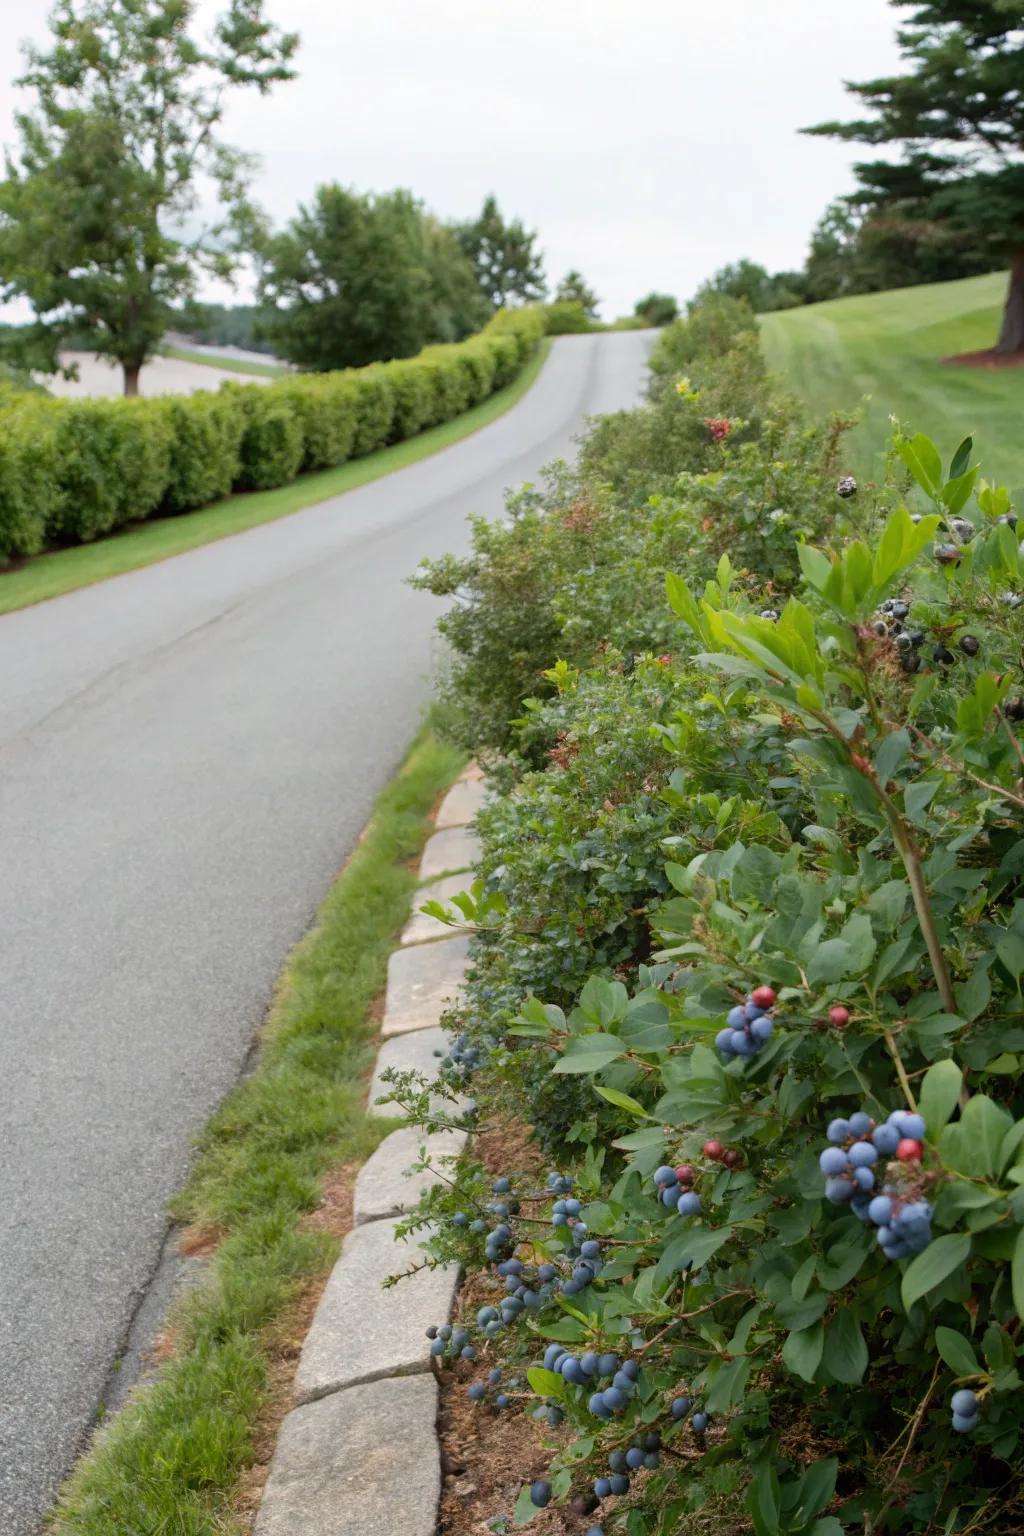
(65, 570)
(168, 1463)
(226, 364)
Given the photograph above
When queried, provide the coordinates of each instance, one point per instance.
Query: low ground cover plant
(74, 470)
(747, 957)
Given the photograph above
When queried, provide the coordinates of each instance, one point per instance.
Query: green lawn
(890, 346)
(228, 364)
(65, 570)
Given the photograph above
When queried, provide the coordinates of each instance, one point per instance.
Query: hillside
(890, 346)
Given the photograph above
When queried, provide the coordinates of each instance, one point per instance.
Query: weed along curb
(359, 1454)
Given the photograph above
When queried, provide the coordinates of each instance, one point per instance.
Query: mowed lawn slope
(890, 346)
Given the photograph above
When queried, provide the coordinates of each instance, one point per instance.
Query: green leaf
(802, 1351)
(830, 1526)
(940, 1091)
(921, 457)
(935, 1264)
(817, 1486)
(1017, 1274)
(816, 566)
(829, 963)
(961, 459)
(728, 1385)
(1010, 950)
(846, 1354)
(973, 1144)
(526, 1509)
(623, 1101)
(891, 753)
(545, 1383)
(589, 1053)
(956, 1351)
(917, 797)
(763, 1501)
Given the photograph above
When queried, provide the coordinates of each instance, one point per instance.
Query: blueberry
(494, 1375)
(624, 1383)
(573, 1207)
(598, 1407)
(838, 1130)
(899, 610)
(651, 1442)
(591, 1249)
(588, 1363)
(615, 1398)
(862, 1154)
(969, 644)
(964, 1402)
(670, 1195)
(886, 1138)
(723, 1040)
(540, 1493)
(607, 1365)
(689, 1204)
(432, 1331)
(860, 1123)
(460, 1219)
(762, 1028)
(602, 1488)
(477, 1392)
(553, 1416)
(964, 1425)
(546, 1272)
(651, 1460)
(833, 1160)
(680, 1407)
(467, 1352)
(634, 1458)
(620, 1483)
(502, 1400)
(630, 1369)
(864, 1178)
(617, 1461)
(880, 1210)
(913, 1127)
(736, 1017)
(742, 1043)
(595, 1530)
(839, 1191)
(700, 1422)
(501, 1186)
(438, 1347)
(552, 1355)
(943, 655)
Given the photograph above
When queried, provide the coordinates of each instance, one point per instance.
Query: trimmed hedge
(74, 470)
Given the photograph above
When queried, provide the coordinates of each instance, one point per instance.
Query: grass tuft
(167, 1465)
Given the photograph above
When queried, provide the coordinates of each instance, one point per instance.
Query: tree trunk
(131, 379)
(1011, 336)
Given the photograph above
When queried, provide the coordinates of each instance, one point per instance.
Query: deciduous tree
(101, 222)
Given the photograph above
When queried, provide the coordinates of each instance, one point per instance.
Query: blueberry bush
(748, 949)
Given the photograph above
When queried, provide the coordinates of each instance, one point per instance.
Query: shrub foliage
(74, 470)
(748, 951)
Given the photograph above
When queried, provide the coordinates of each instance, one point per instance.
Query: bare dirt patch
(985, 359)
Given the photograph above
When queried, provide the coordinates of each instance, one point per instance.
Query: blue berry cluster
(964, 1406)
(849, 1165)
(680, 1408)
(590, 1368)
(673, 1194)
(454, 1342)
(462, 1059)
(477, 1391)
(748, 1026)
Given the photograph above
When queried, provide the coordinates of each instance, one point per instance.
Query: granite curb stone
(460, 804)
(422, 980)
(455, 848)
(384, 1185)
(362, 1332)
(365, 1462)
(421, 929)
(417, 1052)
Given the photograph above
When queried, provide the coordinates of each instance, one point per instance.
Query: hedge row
(73, 470)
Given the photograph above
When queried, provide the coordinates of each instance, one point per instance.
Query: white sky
(648, 143)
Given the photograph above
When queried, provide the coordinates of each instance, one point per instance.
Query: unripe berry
(763, 996)
(732, 1158)
(685, 1174)
(910, 1151)
(713, 1150)
(839, 1016)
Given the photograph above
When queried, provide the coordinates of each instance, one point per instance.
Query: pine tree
(959, 115)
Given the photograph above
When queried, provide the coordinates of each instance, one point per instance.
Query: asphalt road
(187, 753)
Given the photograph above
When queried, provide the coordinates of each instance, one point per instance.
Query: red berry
(910, 1151)
(839, 1016)
(714, 1150)
(764, 997)
(685, 1174)
(732, 1158)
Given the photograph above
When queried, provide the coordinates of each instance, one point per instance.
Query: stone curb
(421, 929)
(359, 1454)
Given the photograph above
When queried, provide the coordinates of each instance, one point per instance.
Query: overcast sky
(648, 143)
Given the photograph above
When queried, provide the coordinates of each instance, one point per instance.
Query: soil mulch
(985, 359)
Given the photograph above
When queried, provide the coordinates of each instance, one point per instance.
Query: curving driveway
(187, 753)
